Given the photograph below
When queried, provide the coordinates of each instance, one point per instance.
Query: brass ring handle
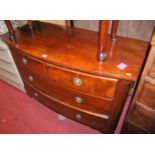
(78, 100)
(36, 94)
(24, 60)
(77, 81)
(78, 116)
(31, 78)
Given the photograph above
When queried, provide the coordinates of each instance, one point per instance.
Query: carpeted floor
(21, 114)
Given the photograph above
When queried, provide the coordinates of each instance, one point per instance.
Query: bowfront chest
(60, 70)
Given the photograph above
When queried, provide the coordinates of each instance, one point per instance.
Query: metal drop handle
(36, 94)
(24, 60)
(78, 100)
(31, 78)
(78, 116)
(77, 81)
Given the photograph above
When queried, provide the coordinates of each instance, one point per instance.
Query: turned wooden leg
(30, 25)
(114, 30)
(11, 31)
(103, 34)
(69, 24)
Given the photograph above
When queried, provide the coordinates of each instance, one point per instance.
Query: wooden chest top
(76, 49)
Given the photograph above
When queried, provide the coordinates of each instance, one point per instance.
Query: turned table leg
(103, 34)
(30, 25)
(11, 31)
(114, 30)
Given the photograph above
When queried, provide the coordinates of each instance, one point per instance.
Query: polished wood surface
(142, 112)
(75, 113)
(80, 48)
(61, 71)
(96, 85)
(31, 70)
(95, 105)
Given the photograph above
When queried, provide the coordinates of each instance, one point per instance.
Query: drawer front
(147, 95)
(98, 86)
(81, 100)
(31, 71)
(27, 64)
(68, 111)
(143, 119)
(5, 56)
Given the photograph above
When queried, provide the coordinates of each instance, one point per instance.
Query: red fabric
(21, 114)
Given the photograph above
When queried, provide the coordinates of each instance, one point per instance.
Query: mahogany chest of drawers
(60, 70)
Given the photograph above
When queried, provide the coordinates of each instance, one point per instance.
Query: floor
(20, 114)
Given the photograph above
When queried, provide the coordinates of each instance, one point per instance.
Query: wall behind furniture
(138, 29)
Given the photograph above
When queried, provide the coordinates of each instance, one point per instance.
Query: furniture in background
(81, 74)
(137, 29)
(8, 70)
(141, 115)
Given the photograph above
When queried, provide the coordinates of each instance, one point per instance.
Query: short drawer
(147, 96)
(96, 85)
(143, 119)
(27, 64)
(5, 56)
(77, 114)
(81, 100)
(31, 70)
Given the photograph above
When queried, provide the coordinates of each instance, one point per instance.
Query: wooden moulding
(11, 31)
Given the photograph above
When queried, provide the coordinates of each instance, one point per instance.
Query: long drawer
(27, 64)
(96, 85)
(78, 99)
(77, 114)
